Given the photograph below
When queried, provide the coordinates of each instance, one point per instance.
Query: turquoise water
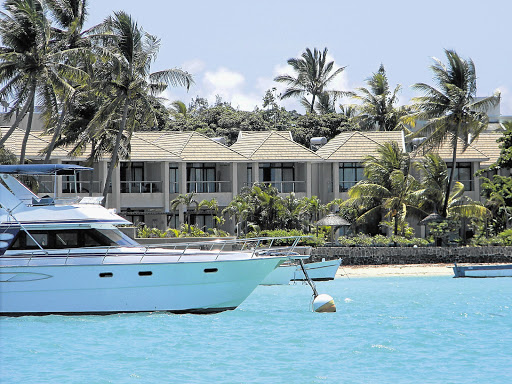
(386, 330)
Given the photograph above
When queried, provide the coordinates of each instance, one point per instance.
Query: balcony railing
(81, 187)
(141, 186)
(285, 186)
(209, 186)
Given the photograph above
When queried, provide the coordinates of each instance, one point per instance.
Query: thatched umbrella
(432, 218)
(334, 221)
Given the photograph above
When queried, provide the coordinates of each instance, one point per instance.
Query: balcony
(141, 186)
(209, 186)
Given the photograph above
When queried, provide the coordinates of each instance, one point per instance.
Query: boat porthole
(106, 274)
(210, 270)
(145, 273)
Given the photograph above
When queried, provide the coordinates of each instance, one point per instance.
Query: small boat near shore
(504, 270)
(287, 272)
(69, 257)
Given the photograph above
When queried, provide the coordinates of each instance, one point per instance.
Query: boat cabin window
(71, 238)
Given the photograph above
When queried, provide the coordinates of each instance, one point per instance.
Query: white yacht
(70, 258)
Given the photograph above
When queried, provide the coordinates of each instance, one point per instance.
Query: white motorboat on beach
(289, 271)
(501, 270)
(62, 257)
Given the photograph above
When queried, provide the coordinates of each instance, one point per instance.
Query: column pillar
(182, 170)
(336, 179)
(309, 181)
(255, 172)
(164, 172)
(234, 179)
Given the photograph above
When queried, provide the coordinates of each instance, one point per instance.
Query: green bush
(506, 237)
(310, 240)
(363, 240)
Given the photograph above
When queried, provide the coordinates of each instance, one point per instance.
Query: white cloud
(194, 66)
(224, 80)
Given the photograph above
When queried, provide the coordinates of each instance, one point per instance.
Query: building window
(174, 185)
(201, 221)
(350, 174)
(132, 177)
(279, 175)
(462, 174)
(201, 178)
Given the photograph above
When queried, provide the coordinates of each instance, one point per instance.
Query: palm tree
(211, 205)
(451, 111)
(399, 199)
(388, 187)
(238, 208)
(187, 200)
(313, 75)
(31, 64)
(130, 88)
(377, 109)
(70, 16)
(434, 178)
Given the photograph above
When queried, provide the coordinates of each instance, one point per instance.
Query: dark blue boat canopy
(42, 169)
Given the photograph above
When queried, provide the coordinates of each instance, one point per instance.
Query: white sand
(353, 271)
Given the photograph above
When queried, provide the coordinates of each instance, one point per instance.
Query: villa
(164, 164)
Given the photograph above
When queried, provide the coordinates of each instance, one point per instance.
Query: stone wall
(409, 255)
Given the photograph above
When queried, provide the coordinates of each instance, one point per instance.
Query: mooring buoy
(324, 303)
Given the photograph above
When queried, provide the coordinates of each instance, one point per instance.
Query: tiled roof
(486, 143)
(191, 146)
(272, 146)
(471, 153)
(35, 144)
(354, 146)
(145, 146)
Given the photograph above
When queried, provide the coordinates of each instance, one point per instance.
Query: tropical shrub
(310, 240)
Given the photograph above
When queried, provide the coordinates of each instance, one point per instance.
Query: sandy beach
(354, 271)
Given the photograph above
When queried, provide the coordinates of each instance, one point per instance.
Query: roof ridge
(157, 145)
(268, 134)
(217, 143)
(351, 133)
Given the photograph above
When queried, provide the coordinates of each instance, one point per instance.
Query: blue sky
(235, 48)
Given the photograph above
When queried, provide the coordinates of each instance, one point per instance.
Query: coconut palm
(313, 75)
(434, 178)
(187, 200)
(31, 65)
(130, 88)
(389, 187)
(451, 111)
(377, 109)
(68, 34)
(239, 209)
(210, 205)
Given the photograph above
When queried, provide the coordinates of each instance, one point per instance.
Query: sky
(235, 48)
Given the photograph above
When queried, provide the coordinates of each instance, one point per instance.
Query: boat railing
(256, 247)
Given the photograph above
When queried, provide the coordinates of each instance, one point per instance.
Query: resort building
(164, 164)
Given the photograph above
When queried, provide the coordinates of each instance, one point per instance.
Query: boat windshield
(71, 238)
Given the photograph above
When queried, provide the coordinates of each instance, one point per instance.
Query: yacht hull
(195, 287)
(317, 271)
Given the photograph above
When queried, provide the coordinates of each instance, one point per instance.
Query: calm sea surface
(386, 330)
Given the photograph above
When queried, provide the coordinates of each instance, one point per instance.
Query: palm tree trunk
(450, 180)
(56, 134)
(312, 105)
(27, 132)
(20, 116)
(396, 225)
(117, 144)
